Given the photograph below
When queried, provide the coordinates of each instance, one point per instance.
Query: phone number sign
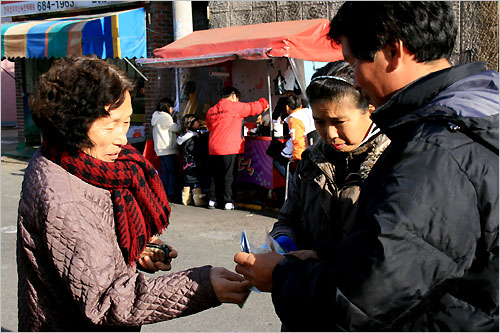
(42, 6)
(36, 7)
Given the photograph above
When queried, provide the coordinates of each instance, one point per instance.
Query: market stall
(246, 57)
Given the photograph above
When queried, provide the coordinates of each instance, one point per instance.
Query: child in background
(191, 151)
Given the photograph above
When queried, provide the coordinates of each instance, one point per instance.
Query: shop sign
(15, 8)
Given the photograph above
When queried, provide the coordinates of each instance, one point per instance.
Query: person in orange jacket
(300, 123)
(226, 140)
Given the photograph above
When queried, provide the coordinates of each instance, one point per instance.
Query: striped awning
(111, 35)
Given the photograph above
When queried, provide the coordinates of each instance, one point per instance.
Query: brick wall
(159, 25)
(159, 32)
(19, 75)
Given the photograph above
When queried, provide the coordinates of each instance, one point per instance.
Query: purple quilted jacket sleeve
(69, 262)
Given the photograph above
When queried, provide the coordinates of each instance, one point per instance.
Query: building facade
(159, 32)
(477, 39)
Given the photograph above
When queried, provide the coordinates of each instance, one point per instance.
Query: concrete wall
(477, 39)
(479, 32)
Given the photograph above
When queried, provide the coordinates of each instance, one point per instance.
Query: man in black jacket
(423, 253)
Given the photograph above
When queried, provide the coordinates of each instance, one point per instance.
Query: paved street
(200, 235)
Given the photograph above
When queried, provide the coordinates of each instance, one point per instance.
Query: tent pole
(135, 68)
(271, 124)
(177, 100)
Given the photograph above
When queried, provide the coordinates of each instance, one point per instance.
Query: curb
(15, 159)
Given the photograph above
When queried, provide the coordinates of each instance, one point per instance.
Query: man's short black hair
(293, 101)
(228, 91)
(426, 28)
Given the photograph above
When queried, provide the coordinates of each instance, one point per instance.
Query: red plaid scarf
(140, 204)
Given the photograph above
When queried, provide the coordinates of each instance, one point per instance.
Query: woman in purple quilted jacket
(90, 211)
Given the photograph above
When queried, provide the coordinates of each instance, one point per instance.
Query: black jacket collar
(420, 92)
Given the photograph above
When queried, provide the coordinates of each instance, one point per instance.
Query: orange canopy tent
(305, 39)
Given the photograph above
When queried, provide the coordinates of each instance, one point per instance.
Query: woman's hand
(229, 287)
(258, 268)
(259, 120)
(151, 261)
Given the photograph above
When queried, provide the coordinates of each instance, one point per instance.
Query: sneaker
(229, 206)
(211, 204)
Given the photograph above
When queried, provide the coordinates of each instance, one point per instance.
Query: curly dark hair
(333, 82)
(72, 94)
(426, 28)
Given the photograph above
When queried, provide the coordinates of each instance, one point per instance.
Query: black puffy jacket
(423, 252)
(194, 157)
(324, 193)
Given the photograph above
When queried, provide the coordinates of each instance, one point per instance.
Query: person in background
(164, 137)
(279, 111)
(300, 123)
(191, 160)
(422, 252)
(322, 203)
(226, 140)
(90, 210)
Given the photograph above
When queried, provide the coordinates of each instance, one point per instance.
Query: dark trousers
(223, 172)
(280, 163)
(169, 166)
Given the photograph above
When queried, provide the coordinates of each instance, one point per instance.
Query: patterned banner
(255, 166)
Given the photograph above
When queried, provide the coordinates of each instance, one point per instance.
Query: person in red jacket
(225, 124)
